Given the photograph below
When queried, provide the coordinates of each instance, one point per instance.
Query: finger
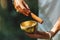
(27, 8)
(22, 11)
(24, 3)
(27, 11)
(17, 8)
(25, 14)
(24, 8)
(28, 34)
(21, 5)
(17, 2)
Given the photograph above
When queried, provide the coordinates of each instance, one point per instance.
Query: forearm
(55, 29)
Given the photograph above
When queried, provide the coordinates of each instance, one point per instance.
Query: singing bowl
(28, 26)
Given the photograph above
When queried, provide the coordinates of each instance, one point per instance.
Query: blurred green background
(10, 20)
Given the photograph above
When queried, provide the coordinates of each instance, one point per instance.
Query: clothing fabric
(49, 11)
(10, 22)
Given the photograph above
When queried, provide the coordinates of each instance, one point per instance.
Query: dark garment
(10, 22)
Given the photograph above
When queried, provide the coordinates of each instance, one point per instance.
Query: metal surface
(28, 26)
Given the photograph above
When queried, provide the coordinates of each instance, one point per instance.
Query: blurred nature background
(10, 20)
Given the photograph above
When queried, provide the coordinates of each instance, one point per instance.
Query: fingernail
(17, 11)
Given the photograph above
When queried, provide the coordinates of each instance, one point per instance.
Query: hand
(21, 7)
(33, 35)
(58, 24)
(37, 34)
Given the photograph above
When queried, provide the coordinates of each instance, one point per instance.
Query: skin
(22, 7)
(45, 35)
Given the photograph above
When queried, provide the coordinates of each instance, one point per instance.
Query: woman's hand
(22, 7)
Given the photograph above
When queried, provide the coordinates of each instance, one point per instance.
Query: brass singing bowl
(28, 26)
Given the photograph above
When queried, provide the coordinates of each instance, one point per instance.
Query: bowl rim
(23, 28)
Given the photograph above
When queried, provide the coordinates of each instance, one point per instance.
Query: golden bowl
(28, 26)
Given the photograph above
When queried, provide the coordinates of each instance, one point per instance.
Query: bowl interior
(28, 24)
